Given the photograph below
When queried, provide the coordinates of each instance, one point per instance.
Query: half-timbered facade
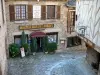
(88, 29)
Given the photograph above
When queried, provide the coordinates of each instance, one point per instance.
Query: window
(50, 11)
(52, 37)
(73, 41)
(17, 39)
(20, 12)
(36, 11)
(70, 20)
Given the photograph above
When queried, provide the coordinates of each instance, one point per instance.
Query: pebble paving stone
(65, 63)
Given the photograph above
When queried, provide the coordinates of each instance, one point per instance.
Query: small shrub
(51, 47)
(14, 50)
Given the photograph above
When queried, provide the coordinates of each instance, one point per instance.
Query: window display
(52, 38)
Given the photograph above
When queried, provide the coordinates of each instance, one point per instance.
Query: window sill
(24, 21)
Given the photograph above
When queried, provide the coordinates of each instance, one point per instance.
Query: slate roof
(71, 3)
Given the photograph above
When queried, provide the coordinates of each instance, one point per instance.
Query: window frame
(54, 33)
(19, 36)
(70, 20)
(54, 11)
(20, 10)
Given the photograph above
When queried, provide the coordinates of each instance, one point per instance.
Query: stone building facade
(3, 59)
(36, 16)
(88, 29)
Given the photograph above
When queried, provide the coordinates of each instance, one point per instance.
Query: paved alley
(67, 63)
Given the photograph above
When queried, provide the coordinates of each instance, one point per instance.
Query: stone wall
(59, 25)
(3, 59)
(13, 27)
(93, 57)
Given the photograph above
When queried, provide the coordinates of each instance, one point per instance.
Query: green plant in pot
(14, 50)
(52, 47)
(26, 47)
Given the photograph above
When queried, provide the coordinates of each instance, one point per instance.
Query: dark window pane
(73, 41)
(50, 11)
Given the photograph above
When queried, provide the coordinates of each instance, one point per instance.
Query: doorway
(38, 41)
(39, 44)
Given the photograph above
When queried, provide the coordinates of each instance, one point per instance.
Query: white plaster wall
(88, 14)
(3, 60)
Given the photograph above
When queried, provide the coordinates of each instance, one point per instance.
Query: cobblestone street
(66, 63)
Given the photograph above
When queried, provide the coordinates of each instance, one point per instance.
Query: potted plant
(14, 50)
(52, 47)
(26, 48)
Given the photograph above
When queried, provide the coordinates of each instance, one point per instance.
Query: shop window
(17, 39)
(52, 37)
(73, 41)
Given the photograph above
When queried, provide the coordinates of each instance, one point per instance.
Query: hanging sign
(27, 27)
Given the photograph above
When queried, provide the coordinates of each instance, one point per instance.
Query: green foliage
(45, 39)
(34, 45)
(51, 47)
(23, 38)
(14, 50)
(26, 47)
(24, 42)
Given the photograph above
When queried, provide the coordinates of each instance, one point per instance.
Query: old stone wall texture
(92, 56)
(13, 27)
(3, 59)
